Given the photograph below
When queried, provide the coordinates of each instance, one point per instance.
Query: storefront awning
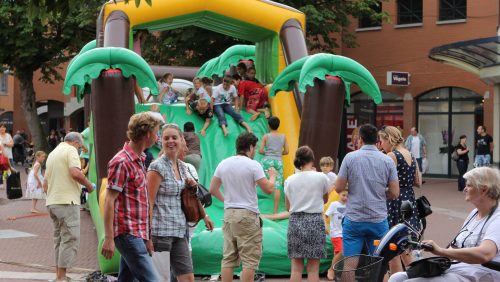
(479, 56)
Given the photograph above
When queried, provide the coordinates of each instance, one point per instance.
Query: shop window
(363, 110)
(409, 11)
(452, 10)
(443, 115)
(3, 83)
(365, 21)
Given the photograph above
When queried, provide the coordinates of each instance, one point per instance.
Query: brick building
(442, 101)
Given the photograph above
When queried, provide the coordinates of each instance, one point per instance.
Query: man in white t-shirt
(416, 144)
(242, 226)
(221, 98)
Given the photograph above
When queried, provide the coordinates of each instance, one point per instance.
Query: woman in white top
(305, 194)
(478, 241)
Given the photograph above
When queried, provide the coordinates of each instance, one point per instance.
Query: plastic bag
(425, 165)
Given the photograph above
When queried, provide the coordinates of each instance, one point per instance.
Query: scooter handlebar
(420, 245)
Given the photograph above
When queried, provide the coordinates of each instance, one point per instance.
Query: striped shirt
(127, 175)
(168, 218)
(368, 172)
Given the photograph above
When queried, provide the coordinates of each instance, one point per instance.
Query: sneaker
(259, 277)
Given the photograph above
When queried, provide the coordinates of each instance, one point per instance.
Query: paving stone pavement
(32, 258)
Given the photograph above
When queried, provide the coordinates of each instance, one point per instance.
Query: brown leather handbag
(191, 205)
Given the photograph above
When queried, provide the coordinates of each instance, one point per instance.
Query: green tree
(41, 35)
(192, 46)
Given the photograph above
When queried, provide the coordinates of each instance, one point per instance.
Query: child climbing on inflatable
(168, 95)
(197, 100)
(221, 103)
(273, 147)
(255, 96)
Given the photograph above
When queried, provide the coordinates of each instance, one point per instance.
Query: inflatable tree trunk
(112, 106)
(113, 101)
(321, 117)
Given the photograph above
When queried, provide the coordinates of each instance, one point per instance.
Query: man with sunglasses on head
(126, 208)
(62, 183)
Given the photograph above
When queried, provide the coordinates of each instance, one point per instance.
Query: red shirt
(245, 87)
(127, 175)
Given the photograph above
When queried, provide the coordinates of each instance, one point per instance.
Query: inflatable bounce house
(307, 93)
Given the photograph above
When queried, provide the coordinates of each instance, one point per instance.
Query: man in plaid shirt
(126, 208)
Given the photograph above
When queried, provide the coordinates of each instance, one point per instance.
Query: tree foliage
(327, 20)
(41, 35)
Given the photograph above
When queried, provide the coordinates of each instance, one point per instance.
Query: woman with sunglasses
(167, 177)
(478, 241)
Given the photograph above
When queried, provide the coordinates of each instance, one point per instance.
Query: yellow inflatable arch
(259, 21)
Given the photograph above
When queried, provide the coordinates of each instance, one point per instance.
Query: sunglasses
(171, 125)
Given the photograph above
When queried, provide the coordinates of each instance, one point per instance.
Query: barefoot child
(34, 189)
(273, 147)
(336, 212)
(221, 98)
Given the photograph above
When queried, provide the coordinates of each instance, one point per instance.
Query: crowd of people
(144, 219)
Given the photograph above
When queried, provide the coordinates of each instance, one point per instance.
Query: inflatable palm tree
(325, 80)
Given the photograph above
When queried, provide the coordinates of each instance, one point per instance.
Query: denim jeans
(226, 108)
(482, 160)
(135, 263)
(462, 169)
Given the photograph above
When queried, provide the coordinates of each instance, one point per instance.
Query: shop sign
(352, 123)
(398, 78)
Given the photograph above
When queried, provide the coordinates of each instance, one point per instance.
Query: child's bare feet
(254, 116)
(35, 211)
(224, 130)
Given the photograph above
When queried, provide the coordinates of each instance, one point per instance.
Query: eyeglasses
(453, 242)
